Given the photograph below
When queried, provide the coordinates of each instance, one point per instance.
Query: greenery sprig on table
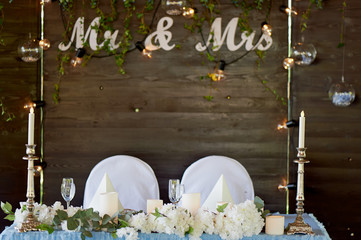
(84, 220)
(230, 221)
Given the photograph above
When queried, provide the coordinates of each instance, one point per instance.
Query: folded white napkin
(98, 201)
(219, 193)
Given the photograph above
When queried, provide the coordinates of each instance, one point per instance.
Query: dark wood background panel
(332, 133)
(18, 86)
(175, 126)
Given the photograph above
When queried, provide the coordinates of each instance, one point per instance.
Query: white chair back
(202, 175)
(132, 178)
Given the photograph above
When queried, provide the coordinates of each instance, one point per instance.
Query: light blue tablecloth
(10, 233)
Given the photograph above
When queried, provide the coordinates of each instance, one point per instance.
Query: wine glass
(175, 190)
(67, 190)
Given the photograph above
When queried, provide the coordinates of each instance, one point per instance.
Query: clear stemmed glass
(175, 190)
(67, 190)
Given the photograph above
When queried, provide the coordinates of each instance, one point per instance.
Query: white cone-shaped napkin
(219, 193)
(105, 186)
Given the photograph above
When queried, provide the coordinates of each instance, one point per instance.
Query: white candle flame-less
(191, 202)
(152, 204)
(108, 203)
(275, 225)
(301, 134)
(31, 127)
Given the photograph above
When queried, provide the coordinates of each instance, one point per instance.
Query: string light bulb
(42, 2)
(30, 105)
(219, 71)
(139, 45)
(287, 124)
(188, 12)
(78, 58)
(266, 28)
(287, 10)
(288, 63)
(44, 44)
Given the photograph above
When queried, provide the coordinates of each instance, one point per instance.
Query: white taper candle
(301, 134)
(31, 126)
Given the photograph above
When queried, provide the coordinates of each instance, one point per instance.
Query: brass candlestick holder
(30, 223)
(299, 226)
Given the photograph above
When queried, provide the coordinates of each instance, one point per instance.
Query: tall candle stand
(299, 226)
(30, 223)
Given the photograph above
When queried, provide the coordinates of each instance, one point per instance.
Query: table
(10, 233)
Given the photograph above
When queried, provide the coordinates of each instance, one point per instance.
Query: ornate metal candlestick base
(299, 226)
(30, 223)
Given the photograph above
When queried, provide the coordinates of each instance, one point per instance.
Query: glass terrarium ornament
(29, 50)
(304, 53)
(342, 94)
(173, 7)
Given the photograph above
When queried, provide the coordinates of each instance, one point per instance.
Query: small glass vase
(342, 94)
(29, 49)
(173, 7)
(304, 54)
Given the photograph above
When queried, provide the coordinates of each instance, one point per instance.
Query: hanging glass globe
(341, 94)
(173, 7)
(29, 50)
(304, 53)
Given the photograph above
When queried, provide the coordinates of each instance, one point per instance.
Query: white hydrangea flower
(141, 222)
(72, 210)
(43, 213)
(20, 214)
(203, 222)
(238, 221)
(177, 220)
(127, 232)
(57, 206)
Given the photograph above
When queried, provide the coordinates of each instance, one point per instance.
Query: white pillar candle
(301, 133)
(152, 204)
(275, 225)
(31, 126)
(191, 202)
(108, 203)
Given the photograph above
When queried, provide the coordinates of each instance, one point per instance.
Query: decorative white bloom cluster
(171, 220)
(235, 222)
(127, 232)
(44, 214)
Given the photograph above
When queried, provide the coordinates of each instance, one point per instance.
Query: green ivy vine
(5, 114)
(306, 14)
(2, 43)
(210, 9)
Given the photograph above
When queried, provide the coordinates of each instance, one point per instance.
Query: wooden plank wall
(18, 86)
(332, 135)
(175, 126)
